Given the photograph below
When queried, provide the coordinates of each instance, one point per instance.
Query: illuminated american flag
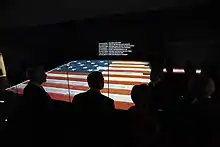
(70, 79)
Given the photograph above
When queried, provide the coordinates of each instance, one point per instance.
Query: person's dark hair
(156, 73)
(189, 67)
(95, 80)
(209, 70)
(140, 94)
(31, 72)
(169, 65)
(135, 93)
(201, 86)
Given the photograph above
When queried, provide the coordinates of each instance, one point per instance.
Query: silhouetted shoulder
(30, 89)
(29, 85)
(108, 103)
(93, 100)
(80, 96)
(106, 98)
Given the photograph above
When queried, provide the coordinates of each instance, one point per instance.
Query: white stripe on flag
(115, 97)
(125, 73)
(122, 65)
(77, 83)
(106, 77)
(123, 69)
(130, 62)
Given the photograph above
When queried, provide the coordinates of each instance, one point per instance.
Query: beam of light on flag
(65, 81)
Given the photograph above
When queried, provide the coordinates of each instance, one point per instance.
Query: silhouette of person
(156, 86)
(189, 69)
(170, 86)
(197, 109)
(155, 75)
(34, 93)
(143, 119)
(93, 111)
(169, 66)
(201, 88)
(200, 113)
(93, 100)
(140, 95)
(36, 102)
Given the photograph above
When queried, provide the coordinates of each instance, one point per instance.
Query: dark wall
(25, 47)
(192, 34)
(181, 34)
(142, 30)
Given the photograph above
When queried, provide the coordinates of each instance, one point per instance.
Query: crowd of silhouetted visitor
(169, 111)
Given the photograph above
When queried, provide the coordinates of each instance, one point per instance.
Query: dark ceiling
(35, 12)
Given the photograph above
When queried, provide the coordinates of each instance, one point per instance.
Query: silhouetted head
(205, 70)
(140, 95)
(95, 80)
(209, 70)
(37, 75)
(213, 72)
(156, 74)
(169, 65)
(201, 86)
(189, 69)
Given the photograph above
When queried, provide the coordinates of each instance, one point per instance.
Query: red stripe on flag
(123, 105)
(69, 73)
(113, 66)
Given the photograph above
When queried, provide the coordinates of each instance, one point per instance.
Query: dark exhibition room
(114, 73)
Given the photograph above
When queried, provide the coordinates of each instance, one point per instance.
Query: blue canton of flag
(85, 66)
